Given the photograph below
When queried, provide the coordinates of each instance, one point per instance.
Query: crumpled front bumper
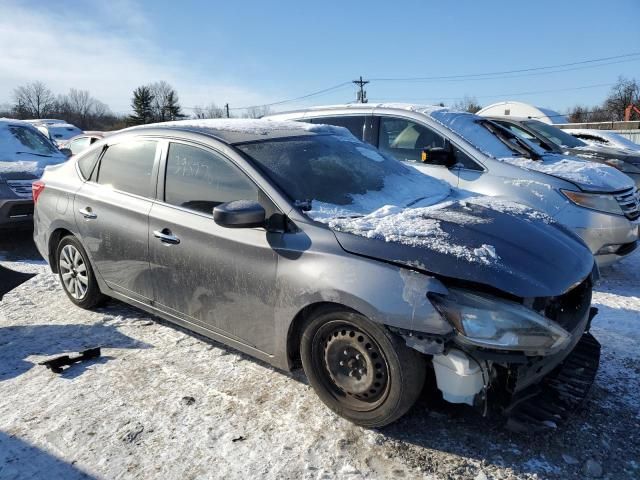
(545, 405)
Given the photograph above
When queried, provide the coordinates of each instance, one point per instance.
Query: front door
(112, 216)
(405, 139)
(220, 278)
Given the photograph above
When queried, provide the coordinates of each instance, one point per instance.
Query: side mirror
(438, 156)
(66, 151)
(240, 214)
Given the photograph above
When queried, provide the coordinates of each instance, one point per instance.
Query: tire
(76, 274)
(359, 369)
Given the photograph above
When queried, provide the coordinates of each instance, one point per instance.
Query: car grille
(629, 202)
(19, 211)
(22, 188)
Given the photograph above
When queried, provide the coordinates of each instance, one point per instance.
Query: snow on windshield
(24, 149)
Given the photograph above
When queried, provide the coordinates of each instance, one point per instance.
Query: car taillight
(37, 188)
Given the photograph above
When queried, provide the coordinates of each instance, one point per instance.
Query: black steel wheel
(360, 369)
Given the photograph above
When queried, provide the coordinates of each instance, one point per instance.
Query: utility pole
(362, 94)
(226, 107)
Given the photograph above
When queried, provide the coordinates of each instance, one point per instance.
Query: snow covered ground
(164, 403)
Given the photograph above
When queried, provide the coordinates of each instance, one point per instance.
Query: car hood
(603, 152)
(589, 176)
(493, 242)
(28, 169)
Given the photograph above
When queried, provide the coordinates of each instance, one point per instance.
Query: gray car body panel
(535, 189)
(245, 287)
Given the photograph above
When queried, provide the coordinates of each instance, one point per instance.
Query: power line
(308, 95)
(513, 94)
(469, 76)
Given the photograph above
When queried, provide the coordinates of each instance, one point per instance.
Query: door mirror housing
(240, 214)
(66, 151)
(438, 156)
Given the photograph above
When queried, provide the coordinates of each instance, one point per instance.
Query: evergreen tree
(142, 106)
(172, 107)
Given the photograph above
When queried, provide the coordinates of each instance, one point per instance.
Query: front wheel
(76, 274)
(359, 369)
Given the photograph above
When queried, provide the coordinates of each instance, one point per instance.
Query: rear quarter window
(87, 162)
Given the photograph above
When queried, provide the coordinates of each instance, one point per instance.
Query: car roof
(413, 107)
(235, 131)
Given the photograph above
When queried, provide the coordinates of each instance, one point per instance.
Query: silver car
(299, 244)
(597, 202)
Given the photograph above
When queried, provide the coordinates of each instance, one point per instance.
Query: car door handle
(88, 213)
(166, 236)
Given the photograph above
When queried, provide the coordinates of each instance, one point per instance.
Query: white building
(522, 110)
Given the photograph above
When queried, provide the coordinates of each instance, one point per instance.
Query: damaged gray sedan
(300, 245)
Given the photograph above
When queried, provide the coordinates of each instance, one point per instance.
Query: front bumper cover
(545, 405)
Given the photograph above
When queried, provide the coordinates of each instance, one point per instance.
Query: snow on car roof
(245, 130)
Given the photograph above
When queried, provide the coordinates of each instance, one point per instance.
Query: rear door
(112, 215)
(356, 124)
(220, 278)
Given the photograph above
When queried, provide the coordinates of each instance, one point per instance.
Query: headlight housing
(594, 201)
(491, 322)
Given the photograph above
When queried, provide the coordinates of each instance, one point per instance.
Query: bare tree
(467, 104)
(209, 111)
(625, 92)
(165, 105)
(257, 112)
(33, 100)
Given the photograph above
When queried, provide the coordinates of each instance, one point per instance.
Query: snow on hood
(613, 139)
(420, 226)
(589, 176)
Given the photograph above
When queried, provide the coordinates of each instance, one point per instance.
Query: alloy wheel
(73, 271)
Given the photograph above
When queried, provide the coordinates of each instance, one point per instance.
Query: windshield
(555, 135)
(63, 132)
(31, 141)
(474, 130)
(341, 173)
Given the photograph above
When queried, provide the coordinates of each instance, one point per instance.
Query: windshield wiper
(38, 154)
(506, 137)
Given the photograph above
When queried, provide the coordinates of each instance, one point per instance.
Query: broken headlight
(492, 322)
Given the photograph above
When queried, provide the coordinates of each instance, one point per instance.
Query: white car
(58, 131)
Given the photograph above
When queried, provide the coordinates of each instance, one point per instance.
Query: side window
(79, 145)
(405, 139)
(199, 180)
(88, 161)
(355, 124)
(128, 167)
(467, 162)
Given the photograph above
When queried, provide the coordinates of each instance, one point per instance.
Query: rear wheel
(76, 275)
(359, 369)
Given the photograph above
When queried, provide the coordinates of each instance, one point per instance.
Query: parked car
(555, 140)
(24, 153)
(597, 202)
(80, 143)
(59, 133)
(603, 138)
(298, 243)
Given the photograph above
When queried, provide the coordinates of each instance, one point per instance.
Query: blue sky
(253, 52)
